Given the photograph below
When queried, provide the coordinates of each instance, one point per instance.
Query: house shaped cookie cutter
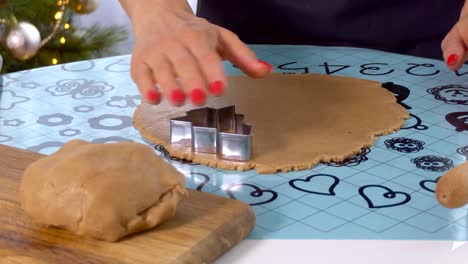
(214, 131)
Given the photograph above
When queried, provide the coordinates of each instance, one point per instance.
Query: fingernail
(198, 96)
(177, 96)
(153, 96)
(452, 59)
(270, 67)
(216, 88)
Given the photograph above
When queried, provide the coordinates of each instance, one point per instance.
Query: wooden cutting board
(205, 226)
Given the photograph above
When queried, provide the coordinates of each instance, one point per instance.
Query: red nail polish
(270, 67)
(216, 88)
(452, 59)
(177, 96)
(198, 96)
(153, 96)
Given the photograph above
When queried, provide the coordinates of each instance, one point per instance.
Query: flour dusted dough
(298, 120)
(105, 191)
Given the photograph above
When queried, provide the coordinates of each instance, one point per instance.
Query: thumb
(454, 45)
(237, 52)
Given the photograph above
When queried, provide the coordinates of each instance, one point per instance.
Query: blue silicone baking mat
(386, 192)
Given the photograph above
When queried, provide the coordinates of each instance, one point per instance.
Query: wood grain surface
(205, 226)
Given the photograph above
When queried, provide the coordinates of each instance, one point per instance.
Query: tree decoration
(40, 33)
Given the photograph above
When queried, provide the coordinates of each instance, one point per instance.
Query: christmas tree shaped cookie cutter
(214, 131)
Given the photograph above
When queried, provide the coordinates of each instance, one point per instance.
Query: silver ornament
(84, 6)
(23, 40)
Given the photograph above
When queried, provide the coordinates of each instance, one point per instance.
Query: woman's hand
(179, 55)
(455, 43)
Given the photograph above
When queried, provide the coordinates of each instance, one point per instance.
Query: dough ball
(452, 188)
(104, 191)
(20, 260)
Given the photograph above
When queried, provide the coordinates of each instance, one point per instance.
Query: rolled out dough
(105, 191)
(298, 120)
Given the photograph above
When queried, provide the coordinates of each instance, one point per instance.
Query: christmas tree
(35, 33)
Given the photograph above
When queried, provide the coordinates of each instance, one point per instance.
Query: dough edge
(177, 152)
(209, 160)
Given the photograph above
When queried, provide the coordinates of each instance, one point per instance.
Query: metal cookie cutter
(215, 131)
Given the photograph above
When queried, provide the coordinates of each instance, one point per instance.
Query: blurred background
(110, 13)
(37, 33)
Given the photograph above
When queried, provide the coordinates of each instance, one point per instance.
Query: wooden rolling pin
(452, 188)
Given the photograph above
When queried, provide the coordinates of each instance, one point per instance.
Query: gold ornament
(23, 40)
(84, 6)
